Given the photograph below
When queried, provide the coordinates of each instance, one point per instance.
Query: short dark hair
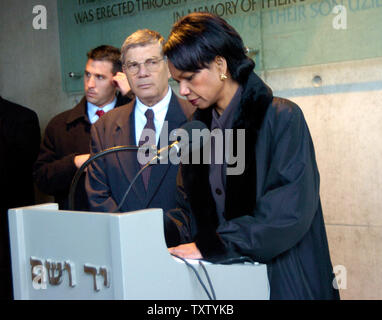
(107, 53)
(199, 37)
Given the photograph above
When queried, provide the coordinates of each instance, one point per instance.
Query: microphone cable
(79, 172)
(213, 297)
(208, 279)
(130, 186)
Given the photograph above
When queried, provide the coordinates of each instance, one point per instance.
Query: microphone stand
(188, 127)
(149, 163)
(79, 172)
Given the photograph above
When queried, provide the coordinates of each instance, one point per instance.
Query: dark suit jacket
(109, 177)
(19, 145)
(66, 136)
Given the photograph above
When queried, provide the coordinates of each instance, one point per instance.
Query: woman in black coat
(269, 211)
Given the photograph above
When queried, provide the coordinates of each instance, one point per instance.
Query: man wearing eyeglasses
(155, 103)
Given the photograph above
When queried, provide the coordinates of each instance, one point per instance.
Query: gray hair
(141, 38)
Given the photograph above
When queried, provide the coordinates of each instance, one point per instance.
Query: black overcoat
(272, 210)
(19, 145)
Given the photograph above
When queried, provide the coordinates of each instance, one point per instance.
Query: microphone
(174, 148)
(169, 150)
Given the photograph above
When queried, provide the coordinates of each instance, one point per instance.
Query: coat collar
(124, 134)
(254, 102)
(80, 110)
(178, 112)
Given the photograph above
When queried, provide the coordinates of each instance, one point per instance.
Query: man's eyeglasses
(152, 65)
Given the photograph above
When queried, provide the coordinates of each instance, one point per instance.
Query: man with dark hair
(107, 53)
(65, 146)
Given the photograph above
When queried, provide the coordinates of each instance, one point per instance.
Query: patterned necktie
(100, 113)
(144, 138)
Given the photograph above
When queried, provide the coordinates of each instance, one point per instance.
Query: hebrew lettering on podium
(51, 271)
(70, 268)
(39, 278)
(104, 272)
(54, 270)
(98, 271)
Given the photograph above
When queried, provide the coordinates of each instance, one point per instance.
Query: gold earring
(223, 77)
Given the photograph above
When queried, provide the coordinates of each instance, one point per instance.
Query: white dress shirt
(92, 109)
(160, 111)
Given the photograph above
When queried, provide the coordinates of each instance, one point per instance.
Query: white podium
(87, 255)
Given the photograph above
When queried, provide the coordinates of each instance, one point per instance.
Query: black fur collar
(255, 98)
(240, 189)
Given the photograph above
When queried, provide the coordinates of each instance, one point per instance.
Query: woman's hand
(187, 251)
